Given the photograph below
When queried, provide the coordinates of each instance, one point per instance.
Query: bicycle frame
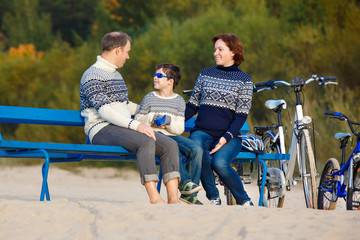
(346, 168)
(294, 149)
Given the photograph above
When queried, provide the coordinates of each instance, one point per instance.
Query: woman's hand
(222, 142)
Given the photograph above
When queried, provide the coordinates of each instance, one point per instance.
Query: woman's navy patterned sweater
(222, 98)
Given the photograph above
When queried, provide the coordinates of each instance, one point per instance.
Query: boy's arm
(177, 125)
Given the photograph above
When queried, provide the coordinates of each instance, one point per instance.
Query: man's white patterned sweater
(104, 99)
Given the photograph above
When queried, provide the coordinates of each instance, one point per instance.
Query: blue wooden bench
(53, 152)
(69, 152)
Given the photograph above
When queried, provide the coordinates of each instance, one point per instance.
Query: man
(107, 111)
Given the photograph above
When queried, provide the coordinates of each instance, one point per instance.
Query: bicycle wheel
(271, 198)
(274, 191)
(230, 200)
(307, 169)
(327, 198)
(271, 146)
(353, 194)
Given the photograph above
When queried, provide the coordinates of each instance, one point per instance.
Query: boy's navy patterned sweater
(222, 98)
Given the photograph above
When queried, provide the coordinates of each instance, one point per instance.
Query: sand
(110, 204)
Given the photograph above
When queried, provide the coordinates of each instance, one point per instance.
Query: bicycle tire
(272, 147)
(280, 201)
(274, 191)
(307, 169)
(353, 194)
(327, 198)
(230, 199)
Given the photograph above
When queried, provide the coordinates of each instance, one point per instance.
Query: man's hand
(147, 130)
(222, 142)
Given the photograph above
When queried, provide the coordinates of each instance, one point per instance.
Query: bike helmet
(252, 143)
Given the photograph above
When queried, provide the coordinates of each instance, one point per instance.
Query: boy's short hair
(171, 70)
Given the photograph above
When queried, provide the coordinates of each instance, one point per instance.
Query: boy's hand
(161, 121)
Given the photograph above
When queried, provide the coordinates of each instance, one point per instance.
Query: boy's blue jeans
(220, 162)
(193, 154)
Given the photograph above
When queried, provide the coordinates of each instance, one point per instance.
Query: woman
(222, 99)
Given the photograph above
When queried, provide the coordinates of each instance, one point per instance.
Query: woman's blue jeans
(220, 163)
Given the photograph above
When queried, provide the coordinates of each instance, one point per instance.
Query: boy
(164, 111)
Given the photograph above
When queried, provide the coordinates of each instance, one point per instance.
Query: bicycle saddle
(272, 104)
(342, 135)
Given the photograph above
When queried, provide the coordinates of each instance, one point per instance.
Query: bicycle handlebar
(187, 92)
(295, 82)
(343, 117)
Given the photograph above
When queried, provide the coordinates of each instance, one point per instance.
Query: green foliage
(73, 19)
(282, 39)
(25, 25)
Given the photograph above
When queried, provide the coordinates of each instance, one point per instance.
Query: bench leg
(159, 182)
(45, 173)
(261, 197)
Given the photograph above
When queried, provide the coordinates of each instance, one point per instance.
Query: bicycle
(300, 145)
(341, 180)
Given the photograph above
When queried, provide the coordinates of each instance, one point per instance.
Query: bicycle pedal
(296, 181)
(246, 178)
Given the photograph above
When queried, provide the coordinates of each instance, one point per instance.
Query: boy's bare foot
(173, 201)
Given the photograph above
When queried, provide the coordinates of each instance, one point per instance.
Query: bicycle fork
(300, 122)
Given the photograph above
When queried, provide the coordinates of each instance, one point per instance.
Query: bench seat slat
(65, 147)
(263, 156)
(67, 157)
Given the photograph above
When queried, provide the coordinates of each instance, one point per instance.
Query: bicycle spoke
(353, 195)
(307, 169)
(327, 198)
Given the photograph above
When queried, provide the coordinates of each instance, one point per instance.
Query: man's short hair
(171, 70)
(113, 40)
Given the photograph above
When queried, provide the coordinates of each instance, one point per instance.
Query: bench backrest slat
(189, 124)
(27, 115)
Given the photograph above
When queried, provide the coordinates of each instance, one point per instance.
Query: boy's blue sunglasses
(160, 75)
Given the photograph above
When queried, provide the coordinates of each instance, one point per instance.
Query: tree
(24, 25)
(71, 18)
